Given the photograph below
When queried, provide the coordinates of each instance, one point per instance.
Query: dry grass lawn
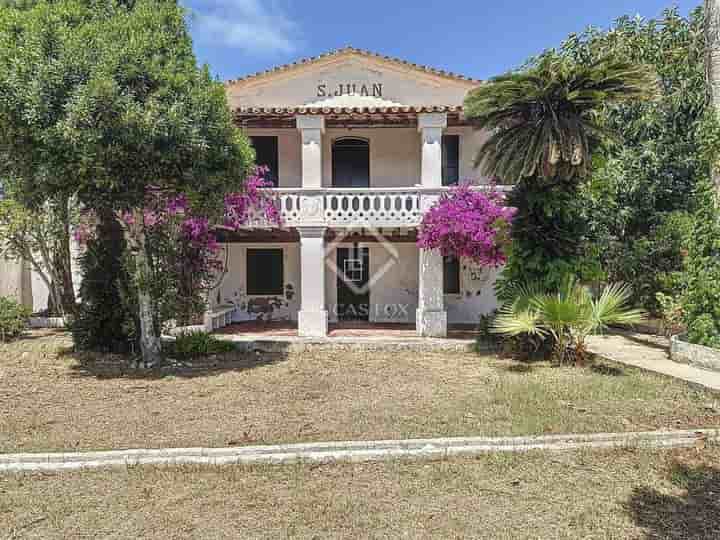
(52, 399)
(614, 495)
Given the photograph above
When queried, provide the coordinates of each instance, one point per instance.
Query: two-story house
(358, 147)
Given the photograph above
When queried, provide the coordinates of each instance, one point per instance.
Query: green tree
(712, 65)
(545, 134)
(115, 99)
(639, 199)
(38, 237)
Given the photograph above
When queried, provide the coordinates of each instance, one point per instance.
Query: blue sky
(478, 38)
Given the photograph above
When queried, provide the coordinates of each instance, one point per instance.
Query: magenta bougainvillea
(186, 239)
(252, 202)
(468, 223)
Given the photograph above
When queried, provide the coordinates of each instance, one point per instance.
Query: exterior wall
(395, 154)
(15, 281)
(233, 288)
(397, 286)
(477, 295)
(393, 297)
(289, 155)
(470, 141)
(296, 87)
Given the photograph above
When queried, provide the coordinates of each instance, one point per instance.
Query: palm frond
(548, 112)
(511, 322)
(611, 308)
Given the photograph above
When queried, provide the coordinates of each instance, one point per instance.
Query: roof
(347, 51)
(306, 109)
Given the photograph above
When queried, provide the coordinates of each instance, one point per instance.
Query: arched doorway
(351, 163)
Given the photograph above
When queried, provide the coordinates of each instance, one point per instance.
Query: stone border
(694, 355)
(353, 451)
(353, 344)
(47, 322)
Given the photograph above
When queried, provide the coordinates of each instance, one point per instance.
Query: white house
(358, 145)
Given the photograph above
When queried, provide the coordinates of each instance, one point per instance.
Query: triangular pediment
(350, 78)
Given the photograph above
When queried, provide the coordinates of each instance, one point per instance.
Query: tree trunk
(64, 258)
(150, 345)
(712, 66)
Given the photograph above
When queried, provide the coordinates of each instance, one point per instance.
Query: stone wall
(696, 355)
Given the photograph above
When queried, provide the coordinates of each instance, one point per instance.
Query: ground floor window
(451, 275)
(265, 272)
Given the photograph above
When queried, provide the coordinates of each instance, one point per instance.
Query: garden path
(650, 353)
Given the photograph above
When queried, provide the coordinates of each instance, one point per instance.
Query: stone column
(431, 317)
(313, 315)
(311, 129)
(430, 126)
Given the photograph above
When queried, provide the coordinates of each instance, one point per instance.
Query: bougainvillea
(468, 223)
(253, 203)
(185, 253)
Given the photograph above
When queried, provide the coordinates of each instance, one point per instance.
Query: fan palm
(544, 120)
(568, 316)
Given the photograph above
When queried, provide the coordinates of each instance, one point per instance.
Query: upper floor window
(450, 160)
(266, 154)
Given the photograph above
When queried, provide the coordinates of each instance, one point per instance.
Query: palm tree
(567, 316)
(544, 120)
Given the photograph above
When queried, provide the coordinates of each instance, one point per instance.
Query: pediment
(350, 78)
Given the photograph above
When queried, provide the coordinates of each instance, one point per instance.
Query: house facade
(358, 146)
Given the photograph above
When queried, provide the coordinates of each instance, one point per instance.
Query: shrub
(13, 318)
(105, 319)
(197, 344)
(651, 264)
(567, 316)
(549, 238)
(701, 297)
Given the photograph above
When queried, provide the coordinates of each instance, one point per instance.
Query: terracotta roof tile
(286, 111)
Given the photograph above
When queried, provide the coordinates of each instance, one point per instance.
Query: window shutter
(451, 275)
(450, 160)
(265, 273)
(266, 154)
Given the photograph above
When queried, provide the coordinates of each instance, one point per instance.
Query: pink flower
(468, 223)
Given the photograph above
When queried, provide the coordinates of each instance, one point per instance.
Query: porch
(279, 330)
(321, 283)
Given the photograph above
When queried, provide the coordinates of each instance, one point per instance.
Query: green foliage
(671, 313)
(548, 237)
(546, 135)
(544, 118)
(641, 191)
(40, 236)
(701, 297)
(114, 96)
(13, 318)
(567, 316)
(197, 344)
(652, 263)
(105, 101)
(106, 319)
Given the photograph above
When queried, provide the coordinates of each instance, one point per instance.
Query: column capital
(310, 121)
(432, 120)
(311, 232)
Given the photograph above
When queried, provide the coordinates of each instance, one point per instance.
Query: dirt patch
(621, 494)
(52, 399)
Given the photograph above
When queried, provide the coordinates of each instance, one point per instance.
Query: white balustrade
(354, 207)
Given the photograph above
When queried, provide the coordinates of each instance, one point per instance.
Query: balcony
(355, 207)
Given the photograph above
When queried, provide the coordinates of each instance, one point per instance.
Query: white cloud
(249, 25)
